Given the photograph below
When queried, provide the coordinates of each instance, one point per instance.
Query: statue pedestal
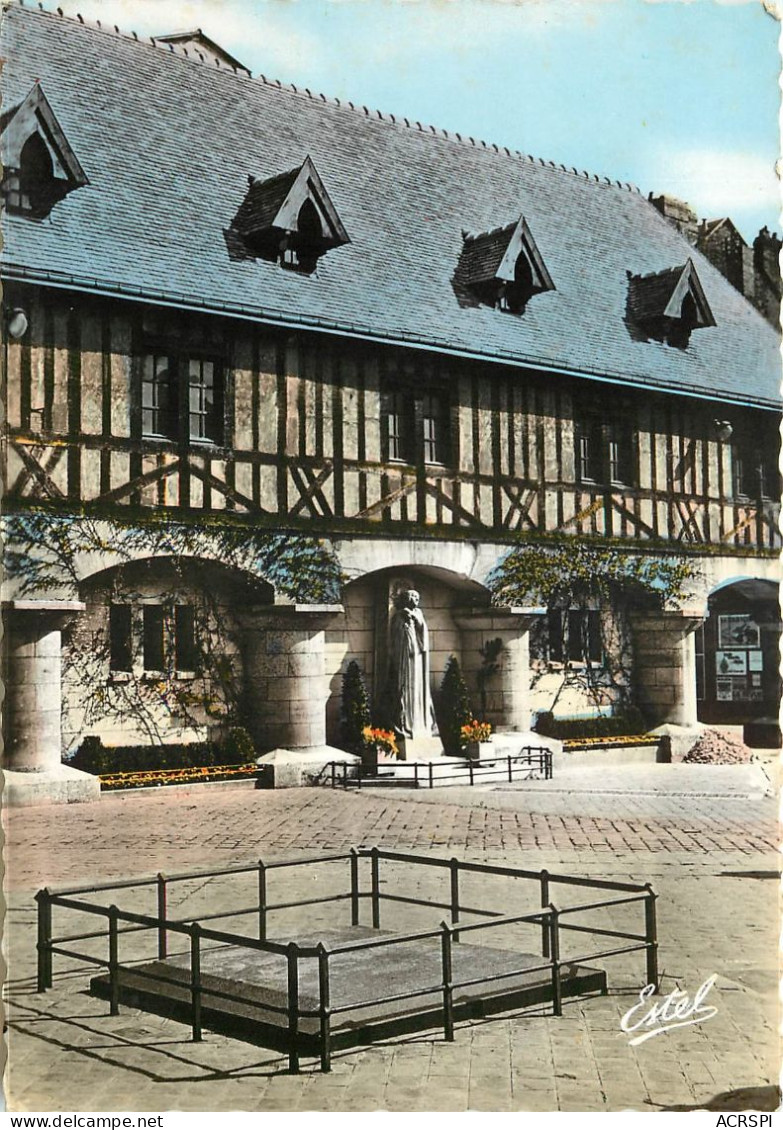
(419, 749)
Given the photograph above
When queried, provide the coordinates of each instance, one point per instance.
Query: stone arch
(738, 654)
(157, 654)
(461, 621)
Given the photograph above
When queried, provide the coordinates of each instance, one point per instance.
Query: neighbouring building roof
(168, 144)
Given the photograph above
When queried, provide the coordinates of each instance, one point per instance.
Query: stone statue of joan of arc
(409, 668)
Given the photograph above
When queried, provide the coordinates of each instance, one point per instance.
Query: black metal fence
(550, 922)
(429, 774)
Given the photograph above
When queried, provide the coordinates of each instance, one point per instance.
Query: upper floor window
(289, 219)
(416, 426)
(502, 268)
(755, 465)
(39, 166)
(182, 398)
(605, 452)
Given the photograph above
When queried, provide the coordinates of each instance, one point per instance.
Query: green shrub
(355, 707)
(629, 722)
(239, 747)
(455, 709)
(93, 757)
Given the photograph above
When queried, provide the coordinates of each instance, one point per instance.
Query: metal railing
(548, 921)
(431, 774)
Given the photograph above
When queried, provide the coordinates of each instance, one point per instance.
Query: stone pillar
(285, 679)
(665, 666)
(508, 690)
(33, 685)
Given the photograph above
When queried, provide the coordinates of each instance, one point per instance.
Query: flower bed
(611, 743)
(146, 778)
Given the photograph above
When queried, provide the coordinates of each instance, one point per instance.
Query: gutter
(62, 281)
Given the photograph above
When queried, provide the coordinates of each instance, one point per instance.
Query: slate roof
(483, 254)
(263, 201)
(168, 144)
(649, 296)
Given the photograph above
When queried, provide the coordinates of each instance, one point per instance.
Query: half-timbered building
(256, 337)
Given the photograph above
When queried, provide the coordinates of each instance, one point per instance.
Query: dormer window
(503, 268)
(289, 219)
(669, 305)
(39, 165)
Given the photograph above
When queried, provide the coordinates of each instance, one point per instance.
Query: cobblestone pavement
(710, 858)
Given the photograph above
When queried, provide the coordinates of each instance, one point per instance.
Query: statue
(410, 699)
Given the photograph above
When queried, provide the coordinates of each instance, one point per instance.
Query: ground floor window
(571, 635)
(160, 637)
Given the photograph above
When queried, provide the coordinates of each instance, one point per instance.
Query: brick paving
(710, 858)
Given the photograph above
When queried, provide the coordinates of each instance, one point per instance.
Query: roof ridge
(379, 115)
(130, 36)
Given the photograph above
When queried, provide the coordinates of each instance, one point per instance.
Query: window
(416, 425)
(170, 381)
(152, 621)
(120, 637)
(168, 638)
(755, 465)
(185, 656)
(434, 428)
(605, 452)
(399, 430)
(157, 415)
(574, 635)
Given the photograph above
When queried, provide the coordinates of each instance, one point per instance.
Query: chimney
(679, 214)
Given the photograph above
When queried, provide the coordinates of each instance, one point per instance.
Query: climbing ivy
(42, 552)
(575, 572)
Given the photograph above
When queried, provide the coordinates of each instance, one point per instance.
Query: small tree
(356, 707)
(455, 708)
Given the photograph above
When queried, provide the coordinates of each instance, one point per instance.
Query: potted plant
(475, 737)
(376, 742)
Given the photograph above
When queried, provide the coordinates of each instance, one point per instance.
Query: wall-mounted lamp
(17, 323)
(723, 430)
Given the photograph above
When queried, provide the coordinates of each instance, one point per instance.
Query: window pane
(203, 403)
(120, 638)
(185, 638)
(555, 626)
(594, 650)
(434, 429)
(397, 428)
(157, 396)
(576, 630)
(153, 637)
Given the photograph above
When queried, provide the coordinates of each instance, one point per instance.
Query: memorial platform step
(258, 981)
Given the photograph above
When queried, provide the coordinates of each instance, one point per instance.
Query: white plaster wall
(143, 709)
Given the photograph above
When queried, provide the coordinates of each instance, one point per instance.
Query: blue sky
(674, 96)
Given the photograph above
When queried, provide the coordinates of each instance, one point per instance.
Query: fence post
(448, 986)
(430, 773)
(554, 945)
(114, 963)
(470, 769)
(544, 877)
(325, 1007)
(333, 766)
(261, 901)
(415, 774)
(375, 895)
(293, 1007)
(454, 874)
(354, 887)
(162, 916)
(43, 898)
(651, 931)
(195, 981)
(510, 774)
